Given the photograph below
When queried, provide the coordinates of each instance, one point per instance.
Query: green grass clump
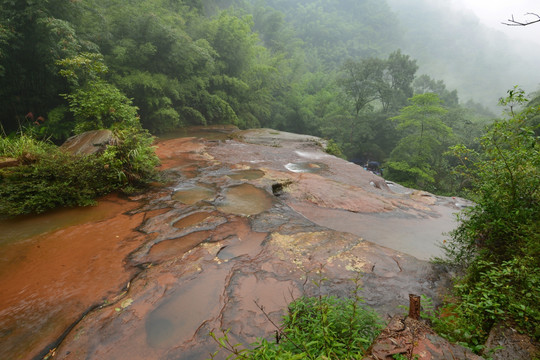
(23, 147)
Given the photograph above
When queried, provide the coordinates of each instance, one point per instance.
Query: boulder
(507, 343)
(90, 142)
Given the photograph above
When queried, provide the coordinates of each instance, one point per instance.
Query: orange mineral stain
(47, 281)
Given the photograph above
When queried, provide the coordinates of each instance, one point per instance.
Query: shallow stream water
(76, 255)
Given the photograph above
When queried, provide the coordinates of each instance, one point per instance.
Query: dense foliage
(358, 73)
(331, 69)
(51, 178)
(497, 244)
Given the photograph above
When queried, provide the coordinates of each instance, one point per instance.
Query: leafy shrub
(22, 147)
(332, 148)
(497, 244)
(59, 179)
(100, 105)
(132, 157)
(489, 294)
(321, 327)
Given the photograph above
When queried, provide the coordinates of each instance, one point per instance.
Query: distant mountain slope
(454, 46)
(482, 64)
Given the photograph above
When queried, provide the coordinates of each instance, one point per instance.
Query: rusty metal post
(414, 307)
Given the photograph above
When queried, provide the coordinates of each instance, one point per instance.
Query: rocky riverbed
(248, 219)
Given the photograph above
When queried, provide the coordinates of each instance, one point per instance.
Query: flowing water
(57, 265)
(25, 227)
(71, 254)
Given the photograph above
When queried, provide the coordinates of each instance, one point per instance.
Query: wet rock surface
(505, 342)
(414, 339)
(257, 233)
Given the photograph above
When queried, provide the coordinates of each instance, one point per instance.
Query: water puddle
(170, 249)
(243, 241)
(248, 246)
(419, 237)
(306, 167)
(193, 194)
(25, 227)
(177, 318)
(245, 200)
(192, 219)
(251, 174)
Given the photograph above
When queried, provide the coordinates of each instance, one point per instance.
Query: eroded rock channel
(243, 221)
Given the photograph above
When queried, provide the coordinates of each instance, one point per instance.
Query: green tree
(425, 84)
(33, 36)
(506, 187)
(417, 160)
(532, 115)
(93, 102)
(360, 81)
(399, 75)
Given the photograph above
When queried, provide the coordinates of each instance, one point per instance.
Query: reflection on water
(306, 167)
(245, 199)
(251, 174)
(24, 227)
(194, 194)
(176, 319)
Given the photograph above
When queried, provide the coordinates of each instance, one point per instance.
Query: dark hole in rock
(277, 189)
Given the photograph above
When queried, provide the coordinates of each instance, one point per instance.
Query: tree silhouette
(514, 22)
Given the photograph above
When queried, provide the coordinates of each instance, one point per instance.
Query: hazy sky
(493, 12)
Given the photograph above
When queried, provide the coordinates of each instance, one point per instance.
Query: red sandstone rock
(198, 276)
(415, 340)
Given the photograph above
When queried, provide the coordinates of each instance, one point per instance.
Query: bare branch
(514, 22)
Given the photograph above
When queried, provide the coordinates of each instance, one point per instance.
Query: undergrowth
(315, 327)
(48, 177)
(496, 246)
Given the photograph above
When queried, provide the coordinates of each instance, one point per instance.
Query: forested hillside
(340, 70)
